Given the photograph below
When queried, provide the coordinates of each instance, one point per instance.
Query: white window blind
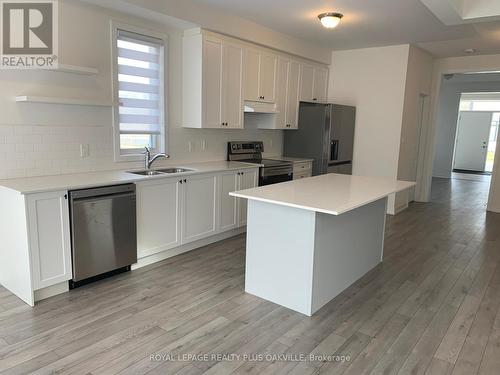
(140, 92)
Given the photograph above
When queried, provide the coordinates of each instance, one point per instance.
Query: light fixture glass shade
(330, 20)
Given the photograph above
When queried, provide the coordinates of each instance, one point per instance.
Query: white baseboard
(185, 248)
(51, 291)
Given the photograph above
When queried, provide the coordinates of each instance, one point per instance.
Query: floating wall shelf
(83, 70)
(58, 100)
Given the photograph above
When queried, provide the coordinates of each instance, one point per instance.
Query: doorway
(477, 133)
(466, 134)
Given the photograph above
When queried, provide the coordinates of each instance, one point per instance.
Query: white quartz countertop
(332, 194)
(30, 185)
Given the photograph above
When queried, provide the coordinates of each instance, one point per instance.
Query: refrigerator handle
(334, 149)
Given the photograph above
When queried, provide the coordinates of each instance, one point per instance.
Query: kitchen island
(309, 239)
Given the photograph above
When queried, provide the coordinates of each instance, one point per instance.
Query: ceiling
(368, 23)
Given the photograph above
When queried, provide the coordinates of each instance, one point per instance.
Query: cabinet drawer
(303, 174)
(302, 166)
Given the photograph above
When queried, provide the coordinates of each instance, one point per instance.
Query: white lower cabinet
(158, 216)
(247, 180)
(233, 211)
(199, 202)
(49, 238)
(228, 215)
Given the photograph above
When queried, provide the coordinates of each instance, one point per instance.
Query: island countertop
(332, 194)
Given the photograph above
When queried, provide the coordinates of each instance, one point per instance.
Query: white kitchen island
(309, 239)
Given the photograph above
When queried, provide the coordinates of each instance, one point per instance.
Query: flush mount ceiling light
(330, 20)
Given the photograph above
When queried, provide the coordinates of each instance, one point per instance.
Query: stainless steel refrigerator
(325, 134)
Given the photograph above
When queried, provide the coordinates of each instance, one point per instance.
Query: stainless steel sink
(174, 170)
(154, 172)
(146, 173)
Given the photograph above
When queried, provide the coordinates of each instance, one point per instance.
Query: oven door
(275, 175)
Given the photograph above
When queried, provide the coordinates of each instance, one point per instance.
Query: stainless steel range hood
(258, 107)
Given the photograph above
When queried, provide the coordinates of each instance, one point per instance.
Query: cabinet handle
(65, 196)
(185, 181)
(180, 181)
(315, 99)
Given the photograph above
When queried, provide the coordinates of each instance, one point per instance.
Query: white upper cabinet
(232, 85)
(281, 92)
(320, 84)
(49, 238)
(220, 73)
(306, 82)
(287, 95)
(292, 107)
(313, 83)
(212, 82)
(260, 76)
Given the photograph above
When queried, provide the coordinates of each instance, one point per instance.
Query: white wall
(373, 80)
(41, 139)
(447, 116)
(417, 89)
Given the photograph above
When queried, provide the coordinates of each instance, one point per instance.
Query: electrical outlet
(190, 146)
(203, 145)
(84, 150)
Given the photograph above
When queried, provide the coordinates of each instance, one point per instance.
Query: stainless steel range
(272, 171)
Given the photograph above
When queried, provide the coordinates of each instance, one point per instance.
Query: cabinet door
(306, 82)
(251, 79)
(158, 216)
(320, 84)
(281, 93)
(50, 246)
(292, 103)
(212, 83)
(199, 202)
(248, 179)
(232, 86)
(228, 215)
(267, 77)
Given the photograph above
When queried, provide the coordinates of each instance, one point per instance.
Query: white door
(158, 216)
(248, 179)
(232, 86)
(212, 82)
(471, 146)
(199, 202)
(49, 236)
(306, 82)
(251, 68)
(267, 77)
(281, 93)
(292, 103)
(228, 215)
(320, 84)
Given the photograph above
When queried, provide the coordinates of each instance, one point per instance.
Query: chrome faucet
(148, 160)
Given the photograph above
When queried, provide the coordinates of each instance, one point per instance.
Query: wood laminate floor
(431, 307)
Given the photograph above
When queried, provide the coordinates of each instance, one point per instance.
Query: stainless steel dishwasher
(103, 232)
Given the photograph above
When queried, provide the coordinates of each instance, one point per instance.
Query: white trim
(115, 26)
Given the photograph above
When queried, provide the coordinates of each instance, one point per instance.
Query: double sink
(154, 172)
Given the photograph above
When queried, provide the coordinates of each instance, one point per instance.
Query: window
(139, 118)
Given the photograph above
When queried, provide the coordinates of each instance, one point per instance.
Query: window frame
(136, 154)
